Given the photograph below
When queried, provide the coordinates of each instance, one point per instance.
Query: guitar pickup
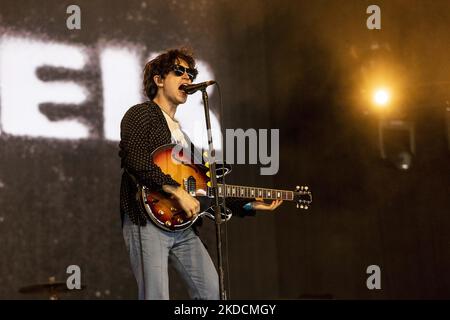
(190, 185)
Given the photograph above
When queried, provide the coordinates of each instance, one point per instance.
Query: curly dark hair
(162, 65)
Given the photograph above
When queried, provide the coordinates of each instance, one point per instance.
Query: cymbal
(48, 288)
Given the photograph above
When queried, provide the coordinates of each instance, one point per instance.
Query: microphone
(191, 88)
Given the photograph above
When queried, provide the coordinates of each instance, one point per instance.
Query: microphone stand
(216, 207)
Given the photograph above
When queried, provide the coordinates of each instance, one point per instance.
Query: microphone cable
(141, 253)
(142, 259)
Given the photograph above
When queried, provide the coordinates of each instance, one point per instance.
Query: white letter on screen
(121, 78)
(23, 92)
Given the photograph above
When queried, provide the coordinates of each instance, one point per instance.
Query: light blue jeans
(185, 251)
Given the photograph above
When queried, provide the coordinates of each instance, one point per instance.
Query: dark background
(297, 66)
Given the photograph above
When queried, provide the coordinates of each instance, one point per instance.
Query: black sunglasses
(180, 70)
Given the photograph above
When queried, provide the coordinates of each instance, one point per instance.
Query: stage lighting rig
(397, 142)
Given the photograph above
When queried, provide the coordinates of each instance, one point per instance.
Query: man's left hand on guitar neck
(259, 204)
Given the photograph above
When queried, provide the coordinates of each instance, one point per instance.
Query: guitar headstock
(303, 197)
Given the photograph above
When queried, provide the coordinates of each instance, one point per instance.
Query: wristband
(248, 206)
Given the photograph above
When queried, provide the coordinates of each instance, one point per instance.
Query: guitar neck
(253, 192)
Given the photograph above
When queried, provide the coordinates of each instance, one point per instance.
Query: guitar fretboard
(251, 192)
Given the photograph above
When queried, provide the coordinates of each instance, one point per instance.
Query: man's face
(172, 83)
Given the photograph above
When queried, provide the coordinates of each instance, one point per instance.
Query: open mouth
(182, 92)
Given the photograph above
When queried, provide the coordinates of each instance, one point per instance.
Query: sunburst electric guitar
(165, 211)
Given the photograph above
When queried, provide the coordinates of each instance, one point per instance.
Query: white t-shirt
(175, 130)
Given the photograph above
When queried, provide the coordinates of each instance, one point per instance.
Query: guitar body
(163, 209)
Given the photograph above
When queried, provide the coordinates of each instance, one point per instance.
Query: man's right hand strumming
(188, 203)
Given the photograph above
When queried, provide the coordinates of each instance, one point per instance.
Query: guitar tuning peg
(205, 154)
(208, 174)
(306, 188)
(298, 206)
(297, 188)
(301, 206)
(207, 164)
(208, 183)
(306, 207)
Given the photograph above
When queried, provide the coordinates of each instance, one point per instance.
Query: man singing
(144, 128)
